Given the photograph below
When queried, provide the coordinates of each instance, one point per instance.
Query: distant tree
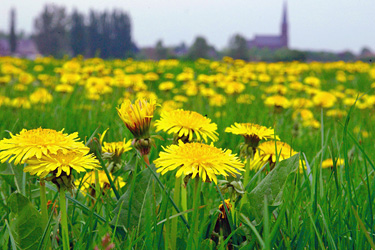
(199, 49)
(347, 56)
(181, 49)
(287, 55)
(160, 50)
(321, 56)
(121, 42)
(365, 51)
(105, 39)
(109, 35)
(238, 48)
(93, 34)
(78, 38)
(12, 33)
(3, 35)
(51, 31)
(264, 54)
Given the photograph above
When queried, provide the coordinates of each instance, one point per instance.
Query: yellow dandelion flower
(253, 133)
(151, 76)
(264, 78)
(217, 100)
(277, 101)
(25, 78)
(96, 85)
(245, 99)
(180, 98)
(146, 95)
(324, 99)
(312, 81)
(69, 78)
(117, 148)
(296, 86)
(137, 117)
(20, 87)
(301, 103)
(278, 89)
(64, 88)
(311, 123)
(169, 76)
(165, 86)
(266, 153)
(89, 180)
(4, 100)
(234, 88)
(41, 95)
(187, 124)
(36, 142)
(61, 162)
(170, 105)
(336, 113)
(197, 159)
(305, 114)
(38, 68)
(328, 163)
(20, 102)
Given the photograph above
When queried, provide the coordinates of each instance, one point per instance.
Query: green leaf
(271, 187)
(25, 222)
(6, 169)
(13, 175)
(132, 206)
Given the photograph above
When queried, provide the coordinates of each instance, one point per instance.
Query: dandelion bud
(142, 145)
(95, 147)
(137, 117)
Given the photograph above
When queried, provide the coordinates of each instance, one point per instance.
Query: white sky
(332, 25)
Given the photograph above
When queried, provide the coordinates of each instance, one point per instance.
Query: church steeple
(284, 27)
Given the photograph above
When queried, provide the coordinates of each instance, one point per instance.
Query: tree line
(104, 34)
(107, 34)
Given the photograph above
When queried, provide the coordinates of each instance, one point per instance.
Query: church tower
(284, 27)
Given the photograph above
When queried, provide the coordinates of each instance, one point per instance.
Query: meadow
(302, 178)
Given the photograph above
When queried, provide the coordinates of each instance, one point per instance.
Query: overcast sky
(331, 25)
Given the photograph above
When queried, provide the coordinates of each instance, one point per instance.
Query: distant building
(25, 48)
(4, 47)
(271, 41)
(149, 53)
(180, 50)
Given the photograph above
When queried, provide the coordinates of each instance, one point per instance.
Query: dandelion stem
(176, 198)
(43, 207)
(97, 190)
(246, 178)
(184, 199)
(64, 219)
(145, 157)
(194, 234)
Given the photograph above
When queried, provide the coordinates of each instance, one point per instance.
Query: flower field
(125, 154)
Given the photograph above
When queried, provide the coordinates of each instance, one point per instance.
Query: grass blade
(362, 226)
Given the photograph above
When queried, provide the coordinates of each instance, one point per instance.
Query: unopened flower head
(137, 116)
(222, 209)
(36, 143)
(198, 159)
(186, 125)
